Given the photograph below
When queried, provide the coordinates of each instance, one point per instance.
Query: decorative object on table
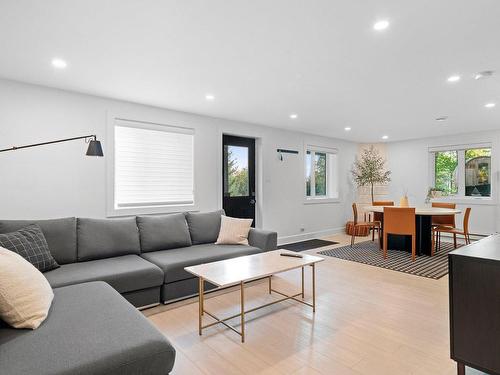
(25, 294)
(94, 149)
(369, 253)
(369, 170)
(403, 201)
(433, 193)
(30, 243)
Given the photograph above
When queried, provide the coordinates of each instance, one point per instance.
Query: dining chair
(378, 216)
(444, 220)
(356, 224)
(455, 231)
(400, 220)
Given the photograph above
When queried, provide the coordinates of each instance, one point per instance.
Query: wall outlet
(302, 229)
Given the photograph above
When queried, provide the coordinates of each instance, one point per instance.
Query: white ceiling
(266, 59)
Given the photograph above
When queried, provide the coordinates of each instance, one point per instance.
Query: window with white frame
(321, 173)
(462, 171)
(153, 166)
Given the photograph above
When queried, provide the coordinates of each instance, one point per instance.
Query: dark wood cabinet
(475, 305)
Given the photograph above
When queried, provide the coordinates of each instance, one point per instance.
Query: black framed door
(238, 177)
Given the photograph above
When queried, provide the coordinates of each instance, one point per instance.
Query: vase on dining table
(403, 202)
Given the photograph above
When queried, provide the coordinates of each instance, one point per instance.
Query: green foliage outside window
(446, 163)
(237, 178)
(320, 174)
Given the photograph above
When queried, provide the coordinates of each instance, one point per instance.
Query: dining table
(423, 225)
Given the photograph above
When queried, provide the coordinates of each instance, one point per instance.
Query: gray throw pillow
(30, 243)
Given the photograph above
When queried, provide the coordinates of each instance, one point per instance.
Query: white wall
(59, 180)
(409, 163)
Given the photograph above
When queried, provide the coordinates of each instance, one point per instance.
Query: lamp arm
(13, 148)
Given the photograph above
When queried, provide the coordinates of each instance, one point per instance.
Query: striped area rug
(369, 253)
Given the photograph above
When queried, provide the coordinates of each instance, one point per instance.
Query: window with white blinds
(153, 165)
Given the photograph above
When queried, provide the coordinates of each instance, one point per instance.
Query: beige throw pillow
(234, 231)
(25, 294)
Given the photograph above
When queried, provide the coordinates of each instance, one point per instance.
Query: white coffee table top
(426, 211)
(250, 267)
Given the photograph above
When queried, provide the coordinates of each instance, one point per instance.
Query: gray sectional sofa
(91, 329)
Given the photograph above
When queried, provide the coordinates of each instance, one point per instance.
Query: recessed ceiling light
(381, 25)
(442, 118)
(347, 128)
(385, 137)
(209, 97)
(490, 105)
(454, 78)
(293, 116)
(59, 63)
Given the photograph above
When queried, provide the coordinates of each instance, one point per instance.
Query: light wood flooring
(368, 321)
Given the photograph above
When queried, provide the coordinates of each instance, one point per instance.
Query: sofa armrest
(263, 239)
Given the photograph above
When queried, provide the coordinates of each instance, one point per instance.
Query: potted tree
(368, 170)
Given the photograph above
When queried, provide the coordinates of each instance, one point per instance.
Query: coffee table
(241, 270)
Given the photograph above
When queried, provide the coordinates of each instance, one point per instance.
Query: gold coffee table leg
(242, 291)
(314, 287)
(200, 304)
(302, 282)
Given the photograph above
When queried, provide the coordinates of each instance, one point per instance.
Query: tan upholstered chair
(378, 216)
(356, 224)
(444, 221)
(399, 220)
(444, 229)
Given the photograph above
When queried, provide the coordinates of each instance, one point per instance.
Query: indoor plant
(368, 170)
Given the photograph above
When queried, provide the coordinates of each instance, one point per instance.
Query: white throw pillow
(25, 294)
(233, 231)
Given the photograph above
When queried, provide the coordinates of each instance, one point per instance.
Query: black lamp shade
(95, 148)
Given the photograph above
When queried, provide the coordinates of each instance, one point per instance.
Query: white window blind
(153, 165)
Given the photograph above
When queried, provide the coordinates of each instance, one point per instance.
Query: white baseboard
(310, 235)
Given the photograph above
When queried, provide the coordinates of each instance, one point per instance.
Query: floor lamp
(94, 149)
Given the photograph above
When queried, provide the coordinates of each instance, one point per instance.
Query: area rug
(307, 245)
(369, 253)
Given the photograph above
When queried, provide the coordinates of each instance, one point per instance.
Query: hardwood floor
(368, 321)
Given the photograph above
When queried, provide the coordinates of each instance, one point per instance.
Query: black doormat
(307, 245)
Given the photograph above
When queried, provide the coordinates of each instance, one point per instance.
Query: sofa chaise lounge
(90, 328)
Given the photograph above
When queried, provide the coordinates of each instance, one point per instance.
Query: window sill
(321, 200)
(132, 211)
(467, 200)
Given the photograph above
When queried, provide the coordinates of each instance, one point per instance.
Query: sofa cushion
(25, 295)
(163, 232)
(125, 273)
(59, 233)
(90, 329)
(204, 227)
(30, 243)
(105, 238)
(173, 261)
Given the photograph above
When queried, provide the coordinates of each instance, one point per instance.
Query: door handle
(252, 201)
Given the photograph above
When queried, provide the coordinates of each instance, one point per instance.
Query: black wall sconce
(94, 149)
(282, 151)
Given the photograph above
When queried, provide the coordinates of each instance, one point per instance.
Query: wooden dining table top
(424, 211)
